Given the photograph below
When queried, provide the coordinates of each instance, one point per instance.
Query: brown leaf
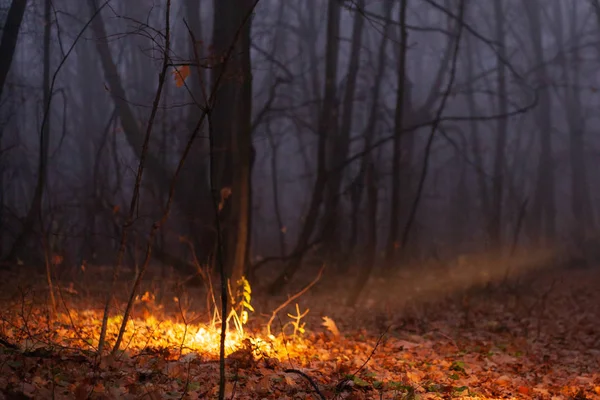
(524, 390)
(180, 75)
(504, 380)
(264, 385)
(331, 326)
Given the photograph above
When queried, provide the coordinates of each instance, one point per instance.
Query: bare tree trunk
(474, 133)
(35, 209)
(495, 223)
(371, 126)
(581, 205)
(327, 123)
(543, 210)
(371, 247)
(340, 143)
(392, 241)
(434, 126)
(461, 204)
(89, 151)
(242, 149)
(44, 142)
(279, 40)
(355, 191)
(229, 22)
(281, 229)
(223, 124)
(232, 122)
(10, 35)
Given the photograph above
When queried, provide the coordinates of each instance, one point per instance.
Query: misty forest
(299, 199)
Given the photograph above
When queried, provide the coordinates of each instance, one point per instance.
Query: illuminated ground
(540, 341)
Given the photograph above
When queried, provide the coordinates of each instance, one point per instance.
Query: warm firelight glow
(152, 333)
(81, 329)
(149, 331)
(208, 339)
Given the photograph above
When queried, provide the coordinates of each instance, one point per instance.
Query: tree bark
(392, 241)
(242, 147)
(10, 35)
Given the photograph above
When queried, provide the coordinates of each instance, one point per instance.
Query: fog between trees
(356, 133)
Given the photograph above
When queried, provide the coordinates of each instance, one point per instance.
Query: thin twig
(294, 297)
(364, 364)
(308, 378)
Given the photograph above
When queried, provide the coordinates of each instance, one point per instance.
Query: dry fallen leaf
(264, 385)
(331, 326)
(524, 390)
(415, 375)
(289, 380)
(504, 380)
(165, 358)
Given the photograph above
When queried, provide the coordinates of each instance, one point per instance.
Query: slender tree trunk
(327, 123)
(340, 143)
(581, 205)
(356, 195)
(223, 123)
(543, 209)
(45, 141)
(371, 126)
(371, 247)
(395, 206)
(279, 40)
(460, 207)
(10, 35)
(495, 223)
(88, 152)
(474, 133)
(281, 229)
(35, 209)
(232, 123)
(242, 150)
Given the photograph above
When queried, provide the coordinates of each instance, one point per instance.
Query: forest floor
(538, 339)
